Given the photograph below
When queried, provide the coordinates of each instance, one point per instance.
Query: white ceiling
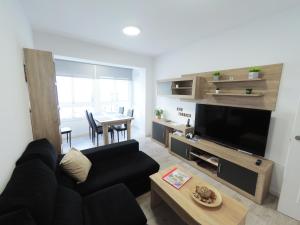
(165, 24)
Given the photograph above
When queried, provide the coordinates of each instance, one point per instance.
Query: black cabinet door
(179, 148)
(238, 176)
(158, 132)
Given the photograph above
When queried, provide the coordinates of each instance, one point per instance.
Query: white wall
(15, 33)
(138, 99)
(268, 41)
(82, 50)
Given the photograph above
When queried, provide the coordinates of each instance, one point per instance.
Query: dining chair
(99, 130)
(121, 110)
(90, 124)
(68, 132)
(123, 127)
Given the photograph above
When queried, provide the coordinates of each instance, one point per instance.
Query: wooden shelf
(186, 88)
(205, 158)
(178, 96)
(236, 94)
(182, 87)
(170, 124)
(179, 79)
(232, 81)
(195, 165)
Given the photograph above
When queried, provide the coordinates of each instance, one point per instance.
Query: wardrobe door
(41, 80)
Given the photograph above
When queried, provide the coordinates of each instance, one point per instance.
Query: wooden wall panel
(41, 79)
(268, 87)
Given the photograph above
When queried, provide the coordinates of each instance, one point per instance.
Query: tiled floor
(265, 214)
(83, 142)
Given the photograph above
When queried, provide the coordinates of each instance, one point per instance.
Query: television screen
(241, 128)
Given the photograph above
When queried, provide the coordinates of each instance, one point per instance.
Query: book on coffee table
(176, 178)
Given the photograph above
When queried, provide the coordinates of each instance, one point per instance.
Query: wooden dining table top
(112, 117)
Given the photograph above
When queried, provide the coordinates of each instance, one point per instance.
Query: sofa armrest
(111, 151)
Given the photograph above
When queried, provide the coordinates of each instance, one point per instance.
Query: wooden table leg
(128, 129)
(70, 138)
(105, 134)
(155, 199)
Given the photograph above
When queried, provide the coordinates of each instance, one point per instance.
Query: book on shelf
(176, 178)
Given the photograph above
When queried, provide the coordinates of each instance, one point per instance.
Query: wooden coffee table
(231, 212)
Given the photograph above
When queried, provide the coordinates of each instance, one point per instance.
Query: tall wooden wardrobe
(44, 108)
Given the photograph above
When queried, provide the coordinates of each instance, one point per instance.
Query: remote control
(258, 162)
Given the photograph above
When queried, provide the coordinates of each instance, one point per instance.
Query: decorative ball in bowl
(204, 192)
(207, 195)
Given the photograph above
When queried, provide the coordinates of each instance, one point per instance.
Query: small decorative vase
(158, 117)
(253, 75)
(217, 91)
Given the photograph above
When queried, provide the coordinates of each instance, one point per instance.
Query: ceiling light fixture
(131, 31)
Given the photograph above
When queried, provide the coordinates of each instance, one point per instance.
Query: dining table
(109, 119)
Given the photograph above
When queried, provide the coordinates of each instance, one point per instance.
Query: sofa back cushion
(21, 216)
(64, 179)
(68, 207)
(32, 186)
(40, 149)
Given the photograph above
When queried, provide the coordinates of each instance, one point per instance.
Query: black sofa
(40, 193)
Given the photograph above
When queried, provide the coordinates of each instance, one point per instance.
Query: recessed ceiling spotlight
(131, 31)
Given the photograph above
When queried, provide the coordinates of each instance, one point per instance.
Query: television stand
(235, 169)
(244, 152)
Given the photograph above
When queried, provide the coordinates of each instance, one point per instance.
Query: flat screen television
(240, 128)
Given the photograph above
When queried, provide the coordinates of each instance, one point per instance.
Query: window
(97, 88)
(112, 94)
(75, 95)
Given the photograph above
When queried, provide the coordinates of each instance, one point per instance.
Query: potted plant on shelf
(158, 113)
(254, 73)
(216, 76)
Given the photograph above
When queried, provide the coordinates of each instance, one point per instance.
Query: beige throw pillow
(76, 165)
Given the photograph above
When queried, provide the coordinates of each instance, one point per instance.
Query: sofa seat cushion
(68, 207)
(114, 205)
(18, 217)
(123, 169)
(32, 186)
(40, 149)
